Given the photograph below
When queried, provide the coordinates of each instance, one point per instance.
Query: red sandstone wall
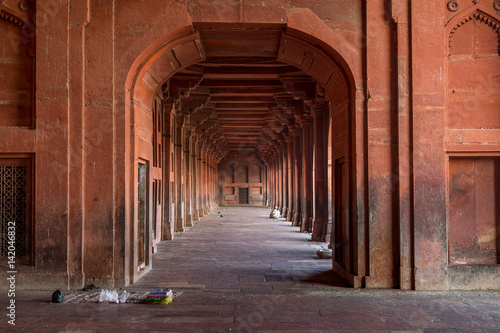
(241, 171)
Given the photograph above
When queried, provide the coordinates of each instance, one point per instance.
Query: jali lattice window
(16, 207)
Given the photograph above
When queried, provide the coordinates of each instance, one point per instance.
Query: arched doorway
(258, 99)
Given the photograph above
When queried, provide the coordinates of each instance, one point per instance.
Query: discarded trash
(111, 296)
(159, 296)
(57, 297)
(124, 296)
(275, 214)
(324, 253)
(221, 215)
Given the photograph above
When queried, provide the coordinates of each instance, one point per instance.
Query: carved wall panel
(16, 75)
(473, 73)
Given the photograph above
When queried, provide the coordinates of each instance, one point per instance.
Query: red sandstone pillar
(179, 214)
(270, 178)
(290, 159)
(274, 185)
(307, 193)
(207, 180)
(202, 180)
(186, 174)
(199, 166)
(297, 175)
(265, 184)
(214, 185)
(321, 210)
(194, 177)
(167, 224)
(204, 183)
(280, 182)
(284, 180)
(277, 180)
(212, 182)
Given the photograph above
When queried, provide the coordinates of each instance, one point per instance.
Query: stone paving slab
(248, 273)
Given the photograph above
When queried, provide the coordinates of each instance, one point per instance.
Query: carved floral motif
(496, 5)
(25, 5)
(453, 5)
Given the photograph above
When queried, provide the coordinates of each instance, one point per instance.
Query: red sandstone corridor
(244, 272)
(373, 124)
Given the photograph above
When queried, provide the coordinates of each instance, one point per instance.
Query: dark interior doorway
(243, 196)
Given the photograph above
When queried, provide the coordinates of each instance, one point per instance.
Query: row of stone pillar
(194, 169)
(297, 174)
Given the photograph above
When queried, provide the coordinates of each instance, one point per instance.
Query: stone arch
(477, 15)
(319, 52)
(13, 12)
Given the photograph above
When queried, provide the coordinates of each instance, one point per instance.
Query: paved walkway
(244, 272)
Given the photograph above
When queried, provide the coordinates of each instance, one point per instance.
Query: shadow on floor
(328, 278)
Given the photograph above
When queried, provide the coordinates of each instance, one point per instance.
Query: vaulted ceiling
(251, 99)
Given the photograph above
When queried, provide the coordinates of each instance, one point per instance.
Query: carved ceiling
(241, 94)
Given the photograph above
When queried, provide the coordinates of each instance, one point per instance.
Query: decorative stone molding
(493, 23)
(453, 5)
(28, 33)
(12, 18)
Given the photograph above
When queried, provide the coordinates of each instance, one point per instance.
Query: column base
(296, 219)
(289, 215)
(167, 236)
(283, 211)
(318, 231)
(167, 233)
(306, 224)
(196, 216)
(179, 225)
(189, 222)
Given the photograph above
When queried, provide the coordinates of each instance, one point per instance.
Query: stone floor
(243, 272)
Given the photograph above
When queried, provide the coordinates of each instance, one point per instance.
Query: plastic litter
(57, 297)
(124, 296)
(111, 296)
(159, 296)
(324, 253)
(275, 214)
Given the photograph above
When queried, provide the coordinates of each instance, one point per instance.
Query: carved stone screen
(15, 206)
